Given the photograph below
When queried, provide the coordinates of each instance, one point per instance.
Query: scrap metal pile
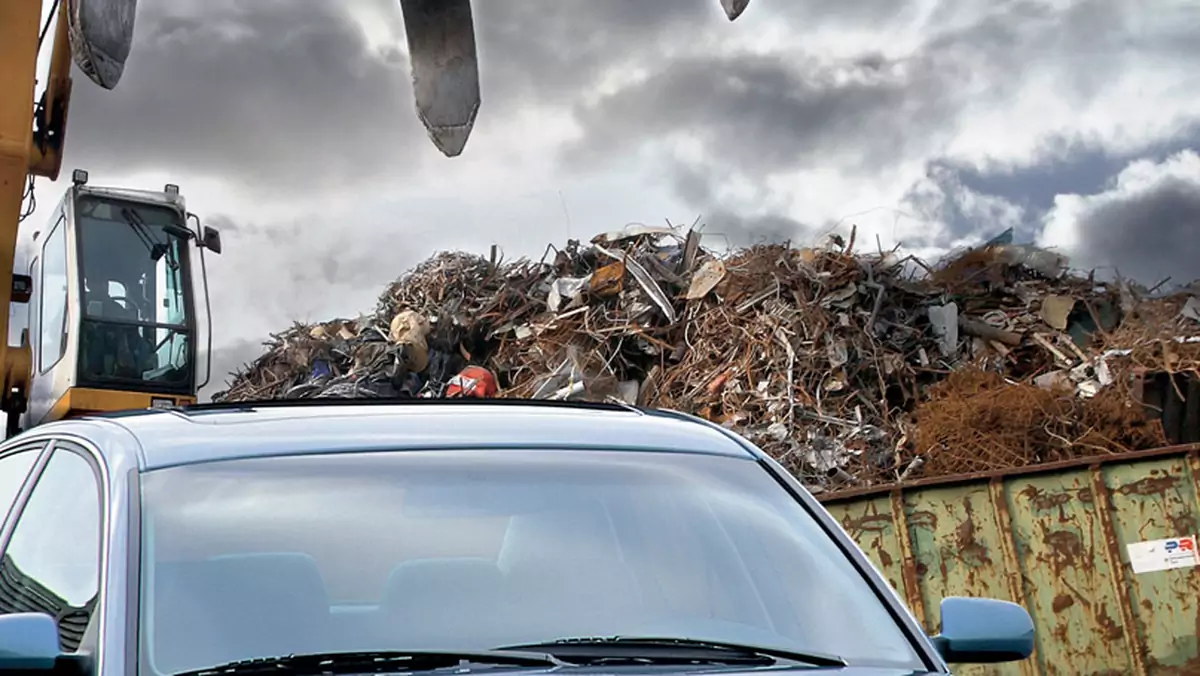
(852, 369)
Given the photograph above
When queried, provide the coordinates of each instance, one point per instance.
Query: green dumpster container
(1101, 551)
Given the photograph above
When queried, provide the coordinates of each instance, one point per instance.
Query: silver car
(440, 536)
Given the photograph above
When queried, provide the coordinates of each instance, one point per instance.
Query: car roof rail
(248, 405)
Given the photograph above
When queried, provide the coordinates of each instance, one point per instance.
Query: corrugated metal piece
(1052, 538)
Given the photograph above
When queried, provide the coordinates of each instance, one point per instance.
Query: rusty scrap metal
(854, 370)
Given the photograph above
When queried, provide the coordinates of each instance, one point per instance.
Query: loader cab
(112, 316)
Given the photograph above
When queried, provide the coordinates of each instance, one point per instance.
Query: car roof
(228, 431)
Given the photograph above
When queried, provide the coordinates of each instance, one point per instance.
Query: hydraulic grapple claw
(445, 69)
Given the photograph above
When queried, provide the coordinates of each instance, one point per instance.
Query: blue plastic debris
(320, 369)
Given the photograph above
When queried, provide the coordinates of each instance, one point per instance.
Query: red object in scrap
(473, 381)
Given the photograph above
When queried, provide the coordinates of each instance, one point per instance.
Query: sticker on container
(1155, 555)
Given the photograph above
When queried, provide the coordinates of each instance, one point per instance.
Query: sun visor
(101, 35)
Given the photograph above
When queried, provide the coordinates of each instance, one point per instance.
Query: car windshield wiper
(666, 650)
(380, 661)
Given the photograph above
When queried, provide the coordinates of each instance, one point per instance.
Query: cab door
(52, 319)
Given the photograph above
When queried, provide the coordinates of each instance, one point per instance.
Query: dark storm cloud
(944, 197)
(770, 113)
(692, 184)
(1147, 236)
(762, 114)
(306, 256)
(696, 187)
(280, 93)
(286, 93)
(742, 230)
(554, 50)
(1066, 166)
(269, 92)
(1073, 166)
(549, 50)
(765, 114)
(1080, 45)
(755, 116)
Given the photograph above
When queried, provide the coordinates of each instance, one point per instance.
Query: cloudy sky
(289, 124)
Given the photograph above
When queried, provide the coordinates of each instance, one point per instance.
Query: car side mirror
(983, 631)
(212, 239)
(28, 642)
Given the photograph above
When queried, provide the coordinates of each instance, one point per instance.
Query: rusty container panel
(1157, 500)
(1054, 540)
(1065, 575)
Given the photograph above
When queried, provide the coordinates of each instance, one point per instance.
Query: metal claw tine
(445, 69)
(734, 8)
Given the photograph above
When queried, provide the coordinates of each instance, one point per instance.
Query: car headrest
(446, 603)
(431, 582)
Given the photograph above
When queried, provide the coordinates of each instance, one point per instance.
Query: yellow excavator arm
(23, 156)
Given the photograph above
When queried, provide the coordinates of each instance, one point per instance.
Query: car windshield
(465, 550)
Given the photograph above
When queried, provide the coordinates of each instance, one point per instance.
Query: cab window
(52, 340)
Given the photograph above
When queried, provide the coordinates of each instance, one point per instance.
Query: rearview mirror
(983, 631)
(212, 239)
(28, 642)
